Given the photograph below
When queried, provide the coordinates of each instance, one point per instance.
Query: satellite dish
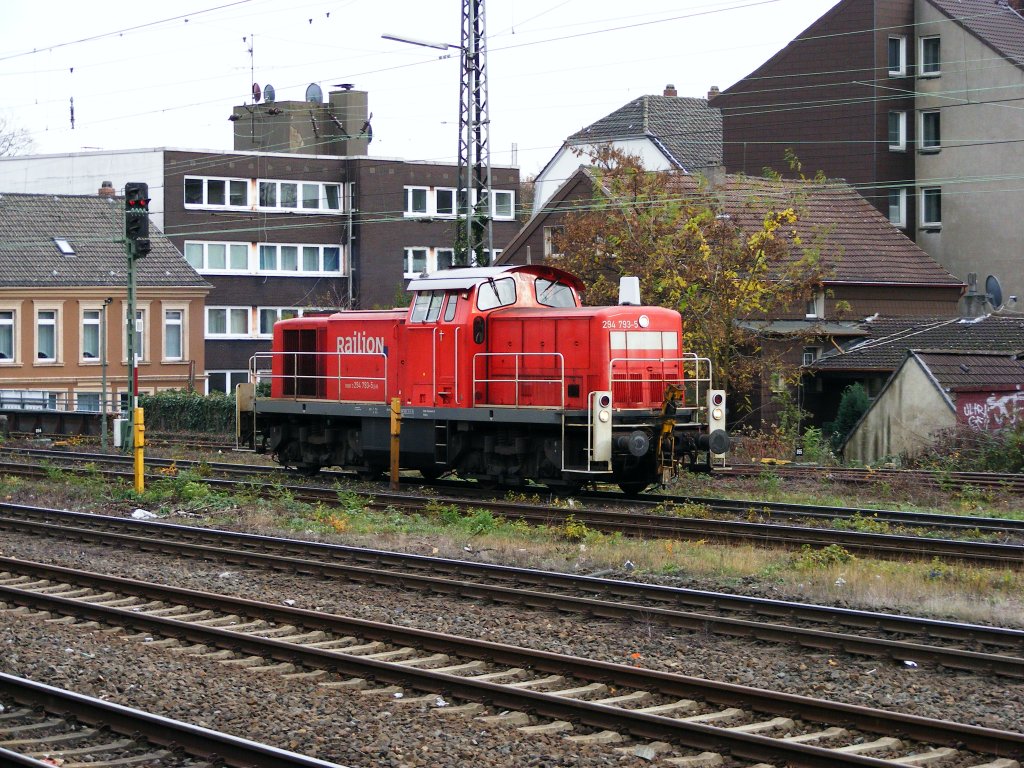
(994, 291)
(269, 94)
(314, 94)
(256, 93)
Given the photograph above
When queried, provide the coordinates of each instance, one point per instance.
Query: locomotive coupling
(637, 442)
(715, 442)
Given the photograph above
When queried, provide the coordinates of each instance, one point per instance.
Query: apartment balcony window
(931, 208)
(931, 139)
(897, 131)
(930, 65)
(898, 207)
(897, 56)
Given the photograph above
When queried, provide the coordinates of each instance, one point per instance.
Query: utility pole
(474, 241)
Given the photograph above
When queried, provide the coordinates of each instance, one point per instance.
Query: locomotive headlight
(717, 414)
(604, 416)
(644, 321)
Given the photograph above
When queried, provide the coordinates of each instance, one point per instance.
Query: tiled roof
(891, 339)
(687, 129)
(990, 20)
(91, 224)
(955, 370)
(858, 244)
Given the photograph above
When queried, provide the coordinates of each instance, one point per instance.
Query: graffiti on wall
(995, 410)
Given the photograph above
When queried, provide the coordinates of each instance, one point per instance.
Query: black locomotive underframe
(506, 446)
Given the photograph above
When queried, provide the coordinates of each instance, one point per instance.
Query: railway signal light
(136, 217)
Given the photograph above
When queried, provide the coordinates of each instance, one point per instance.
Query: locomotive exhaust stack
(501, 375)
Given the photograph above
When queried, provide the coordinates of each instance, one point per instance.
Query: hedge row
(181, 411)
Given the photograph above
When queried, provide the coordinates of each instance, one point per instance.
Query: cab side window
(450, 307)
(427, 306)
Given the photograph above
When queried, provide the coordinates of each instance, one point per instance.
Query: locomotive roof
(467, 277)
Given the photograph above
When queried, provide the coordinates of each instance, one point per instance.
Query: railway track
(681, 720)
(983, 649)
(661, 525)
(42, 726)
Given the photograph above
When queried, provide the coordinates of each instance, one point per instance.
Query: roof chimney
(712, 92)
(670, 90)
(107, 189)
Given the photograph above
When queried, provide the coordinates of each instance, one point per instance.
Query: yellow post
(139, 440)
(396, 430)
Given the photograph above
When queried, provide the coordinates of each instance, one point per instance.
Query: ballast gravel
(356, 729)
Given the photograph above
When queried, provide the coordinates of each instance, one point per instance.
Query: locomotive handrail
(559, 358)
(257, 374)
(690, 373)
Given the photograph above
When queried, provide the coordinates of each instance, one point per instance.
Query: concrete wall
(980, 96)
(903, 419)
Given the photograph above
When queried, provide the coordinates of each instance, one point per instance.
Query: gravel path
(344, 727)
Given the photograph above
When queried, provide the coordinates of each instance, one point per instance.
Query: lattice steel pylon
(474, 240)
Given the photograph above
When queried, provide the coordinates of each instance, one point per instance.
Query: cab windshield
(551, 293)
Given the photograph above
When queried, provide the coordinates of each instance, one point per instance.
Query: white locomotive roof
(467, 277)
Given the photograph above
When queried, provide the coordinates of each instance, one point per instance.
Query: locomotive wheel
(633, 488)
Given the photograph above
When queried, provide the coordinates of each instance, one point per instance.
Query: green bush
(181, 411)
(852, 406)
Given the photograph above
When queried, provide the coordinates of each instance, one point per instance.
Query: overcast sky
(152, 74)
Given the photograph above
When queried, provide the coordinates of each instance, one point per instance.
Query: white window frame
(228, 311)
(12, 323)
(300, 202)
(56, 324)
(410, 207)
(300, 261)
(923, 118)
(550, 233)
(925, 223)
(901, 70)
(205, 204)
(901, 207)
(203, 246)
(455, 203)
(182, 329)
(926, 69)
(91, 393)
(437, 258)
(511, 204)
(86, 323)
(278, 313)
(141, 335)
(901, 141)
(407, 263)
(231, 377)
(810, 354)
(815, 309)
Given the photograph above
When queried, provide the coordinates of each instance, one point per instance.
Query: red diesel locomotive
(502, 377)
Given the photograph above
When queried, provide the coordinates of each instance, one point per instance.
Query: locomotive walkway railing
(528, 383)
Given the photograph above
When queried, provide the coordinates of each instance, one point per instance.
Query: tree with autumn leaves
(718, 256)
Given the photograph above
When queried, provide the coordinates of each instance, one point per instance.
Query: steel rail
(976, 738)
(192, 739)
(321, 559)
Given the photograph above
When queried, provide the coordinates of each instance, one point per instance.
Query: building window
(217, 256)
(930, 65)
(227, 322)
(216, 193)
(87, 401)
(931, 207)
(551, 235)
(416, 201)
(445, 202)
(810, 355)
(173, 334)
(304, 196)
(897, 131)
(415, 261)
(504, 204)
(897, 56)
(270, 315)
(304, 259)
(225, 381)
(90, 334)
(445, 258)
(7, 336)
(898, 207)
(815, 309)
(46, 335)
(140, 335)
(930, 136)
